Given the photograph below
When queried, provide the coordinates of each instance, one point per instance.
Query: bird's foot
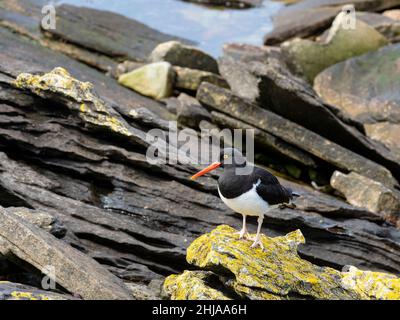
(243, 234)
(257, 243)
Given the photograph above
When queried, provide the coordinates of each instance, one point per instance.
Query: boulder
(73, 270)
(309, 58)
(364, 192)
(365, 87)
(17, 291)
(190, 79)
(385, 132)
(224, 101)
(190, 112)
(185, 56)
(276, 273)
(154, 80)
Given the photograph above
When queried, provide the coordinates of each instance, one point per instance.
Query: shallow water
(210, 28)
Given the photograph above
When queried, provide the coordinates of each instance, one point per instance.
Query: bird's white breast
(248, 203)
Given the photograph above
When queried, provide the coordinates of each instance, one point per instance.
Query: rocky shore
(77, 193)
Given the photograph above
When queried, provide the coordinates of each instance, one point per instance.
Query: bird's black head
(231, 158)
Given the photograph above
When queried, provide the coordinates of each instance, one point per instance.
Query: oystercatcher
(251, 194)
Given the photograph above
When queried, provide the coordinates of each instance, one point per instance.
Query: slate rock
(364, 192)
(185, 56)
(190, 112)
(74, 271)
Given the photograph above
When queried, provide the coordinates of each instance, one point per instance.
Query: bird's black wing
(270, 189)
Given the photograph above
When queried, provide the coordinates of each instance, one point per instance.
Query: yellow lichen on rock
(76, 95)
(16, 291)
(191, 285)
(277, 272)
(374, 285)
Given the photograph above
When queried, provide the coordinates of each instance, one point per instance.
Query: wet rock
(309, 58)
(190, 79)
(74, 271)
(307, 18)
(185, 56)
(365, 87)
(154, 80)
(16, 291)
(93, 29)
(190, 112)
(224, 101)
(364, 192)
(239, 4)
(192, 285)
(41, 219)
(392, 14)
(277, 272)
(385, 132)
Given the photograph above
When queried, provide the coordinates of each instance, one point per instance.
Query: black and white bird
(251, 192)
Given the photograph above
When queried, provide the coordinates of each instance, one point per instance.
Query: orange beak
(211, 167)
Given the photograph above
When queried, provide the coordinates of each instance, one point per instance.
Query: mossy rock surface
(277, 272)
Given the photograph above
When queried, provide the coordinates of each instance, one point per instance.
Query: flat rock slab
(74, 271)
(365, 87)
(106, 32)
